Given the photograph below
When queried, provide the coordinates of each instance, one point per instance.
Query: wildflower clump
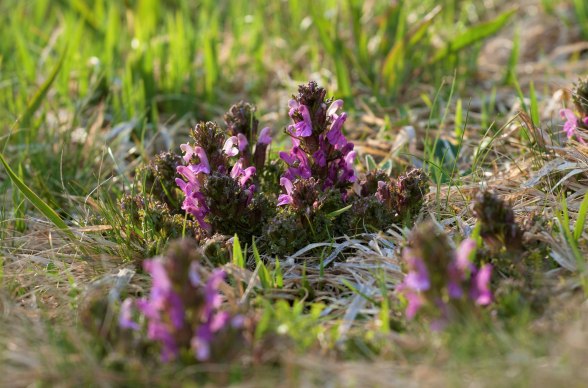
(384, 201)
(576, 121)
(184, 309)
(441, 281)
(151, 215)
(498, 227)
(148, 224)
(219, 178)
(225, 184)
(322, 194)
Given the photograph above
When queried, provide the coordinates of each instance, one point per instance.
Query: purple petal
(463, 253)
(287, 184)
(285, 199)
(125, 319)
(242, 142)
(480, 291)
(189, 152)
(415, 302)
(264, 136)
(230, 146)
(334, 107)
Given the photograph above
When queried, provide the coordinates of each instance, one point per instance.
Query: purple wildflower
(163, 302)
(125, 319)
(302, 128)
(480, 289)
(175, 308)
(264, 136)
(286, 199)
(333, 108)
(571, 124)
(242, 174)
(453, 273)
(463, 254)
(194, 202)
(299, 166)
(242, 142)
(230, 148)
(417, 278)
(212, 320)
(203, 166)
(319, 148)
(415, 302)
(415, 283)
(335, 135)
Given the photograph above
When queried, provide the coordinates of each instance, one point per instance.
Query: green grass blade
(534, 104)
(35, 102)
(238, 258)
(370, 163)
(473, 35)
(36, 201)
(263, 273)
(579, 228)
(513, 60)
(278, 276)
(338, 212)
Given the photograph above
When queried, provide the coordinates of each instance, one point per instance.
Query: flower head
(181, 311)
(230, 148)
(264, 136)
(303, 127)
(571, 124)
(480, 289)
(286, 199)
(439, 277)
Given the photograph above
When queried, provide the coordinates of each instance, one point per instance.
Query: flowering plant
(441, 279)
(320, 180)
(577, 121)
(225, 183)
(183, 310)
(219, 178)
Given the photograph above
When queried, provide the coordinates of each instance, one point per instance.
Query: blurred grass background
(75, 72)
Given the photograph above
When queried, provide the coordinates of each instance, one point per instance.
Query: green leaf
(472, 35)
(336, 213)
(263, 273)
(36, 201)
(238, 258)
(35, 102)
(581, 218)
(370, 163)
(387, 166)
(393, 64)
(278, 274)
(534, 104)
(513, 60)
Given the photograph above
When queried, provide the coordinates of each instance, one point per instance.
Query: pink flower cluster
(572, 123)
(319, 148)
(461, 279)
(173, 309)
(194, 174)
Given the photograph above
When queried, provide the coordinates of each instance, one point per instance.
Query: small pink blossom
(286, 199)
(264, 136)
(571, 124)
(242, 142)
(230, 148)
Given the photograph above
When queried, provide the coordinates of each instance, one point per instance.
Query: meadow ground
(468, 91)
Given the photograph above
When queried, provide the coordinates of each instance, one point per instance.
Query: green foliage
(472, 35)
(238, 257)
(300, 322)
(42, 206)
